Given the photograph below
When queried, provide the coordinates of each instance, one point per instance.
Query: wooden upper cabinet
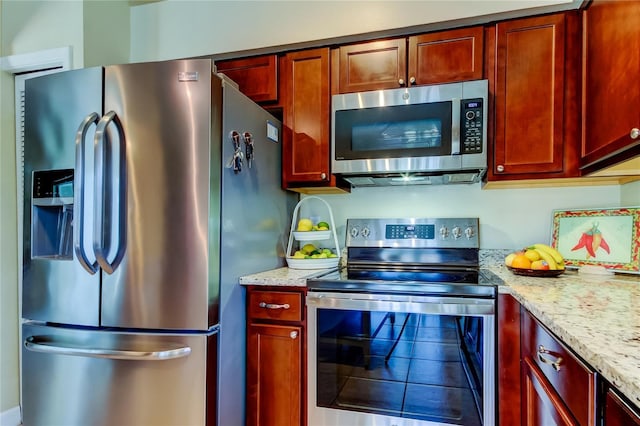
(611, 93)
(534, 83)
(373, 65)
(257, 77)
(306, 102)
(446, 56)
(440, 57)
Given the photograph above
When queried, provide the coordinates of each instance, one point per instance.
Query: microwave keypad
(471, 126)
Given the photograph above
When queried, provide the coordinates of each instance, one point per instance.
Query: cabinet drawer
(573, 381)
(275, 305)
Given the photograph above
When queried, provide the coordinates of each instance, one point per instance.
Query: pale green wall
(173, 29)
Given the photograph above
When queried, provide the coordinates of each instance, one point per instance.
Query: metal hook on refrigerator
(235, 161)
(248, 147)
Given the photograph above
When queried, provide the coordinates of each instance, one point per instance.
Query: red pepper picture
(592, 240)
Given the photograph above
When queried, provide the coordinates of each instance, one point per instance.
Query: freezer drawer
(84, 377)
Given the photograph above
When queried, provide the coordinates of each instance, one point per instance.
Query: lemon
(305, 224)
(308, 248)
(532, 255)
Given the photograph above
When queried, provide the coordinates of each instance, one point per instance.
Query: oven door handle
(445, 305)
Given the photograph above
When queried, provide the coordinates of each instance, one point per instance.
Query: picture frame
(607, 237)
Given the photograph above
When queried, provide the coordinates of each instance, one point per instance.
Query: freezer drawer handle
(51, 348)
(274, 305)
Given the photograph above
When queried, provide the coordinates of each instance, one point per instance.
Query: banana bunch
(548, 254)
(537, 256)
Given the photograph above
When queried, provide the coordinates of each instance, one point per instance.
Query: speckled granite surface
(598, 317)
(282, 277)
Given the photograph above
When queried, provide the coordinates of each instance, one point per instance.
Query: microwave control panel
(471, 126)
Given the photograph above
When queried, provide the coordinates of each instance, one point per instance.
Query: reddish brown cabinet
(508, 362)
(304, 80)
(276, 351)
(618, 412)
(557, 388)
(533, 77)
(257, 76)
(611, 93)
(439, 57)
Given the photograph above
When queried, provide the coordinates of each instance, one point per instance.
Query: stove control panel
(413, 232)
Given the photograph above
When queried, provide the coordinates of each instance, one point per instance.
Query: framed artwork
(600, 237)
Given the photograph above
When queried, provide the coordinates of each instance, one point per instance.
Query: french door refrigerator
(149, 189)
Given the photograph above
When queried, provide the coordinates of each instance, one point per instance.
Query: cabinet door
(446, 56)
(274, 381)
(257, 77)
(373, 66)
(306, 102)
(541, 405)
(508, 360)
(611, 98)
(530, 100)
(618, 413)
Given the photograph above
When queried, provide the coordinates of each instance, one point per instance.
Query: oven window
(417, 366)
(394, 131)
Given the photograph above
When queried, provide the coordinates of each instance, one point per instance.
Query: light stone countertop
(282, 277)
(598, 317)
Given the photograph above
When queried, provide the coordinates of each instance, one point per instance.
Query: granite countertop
(597, 316)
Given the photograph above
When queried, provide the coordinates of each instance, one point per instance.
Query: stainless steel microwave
(433, 134)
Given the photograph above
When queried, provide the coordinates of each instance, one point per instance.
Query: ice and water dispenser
(52, 214)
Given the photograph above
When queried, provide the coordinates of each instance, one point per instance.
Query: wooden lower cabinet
(618, 412)
(557, 388)
(276, 357)
(508, 368)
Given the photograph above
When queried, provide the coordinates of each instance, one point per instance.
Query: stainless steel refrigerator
(149, 189)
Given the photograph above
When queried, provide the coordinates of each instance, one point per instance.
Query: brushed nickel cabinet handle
(401, 82)
(500, 168)
(412, 80)
(634, 133)
(293, 334)
(323, 176)
(544, 351)
(266, 305)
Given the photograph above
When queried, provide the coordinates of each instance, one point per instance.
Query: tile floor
(423, 378)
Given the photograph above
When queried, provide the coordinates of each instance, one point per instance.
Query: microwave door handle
(104, 183)
(455, 126)
(79, 198)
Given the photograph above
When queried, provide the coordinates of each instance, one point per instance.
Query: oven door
(400, 360)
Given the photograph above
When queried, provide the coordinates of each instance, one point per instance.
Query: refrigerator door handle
(107, 157)
(50, 347)
(79, 185)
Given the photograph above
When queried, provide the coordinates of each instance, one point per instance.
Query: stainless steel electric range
(404, 335)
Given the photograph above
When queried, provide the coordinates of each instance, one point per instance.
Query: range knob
(457, 232)
(365, 232)
(354, 232)
(444, 232)
(469, 233)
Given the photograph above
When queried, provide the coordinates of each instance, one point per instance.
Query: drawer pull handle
(544, 351)
(266, 305)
